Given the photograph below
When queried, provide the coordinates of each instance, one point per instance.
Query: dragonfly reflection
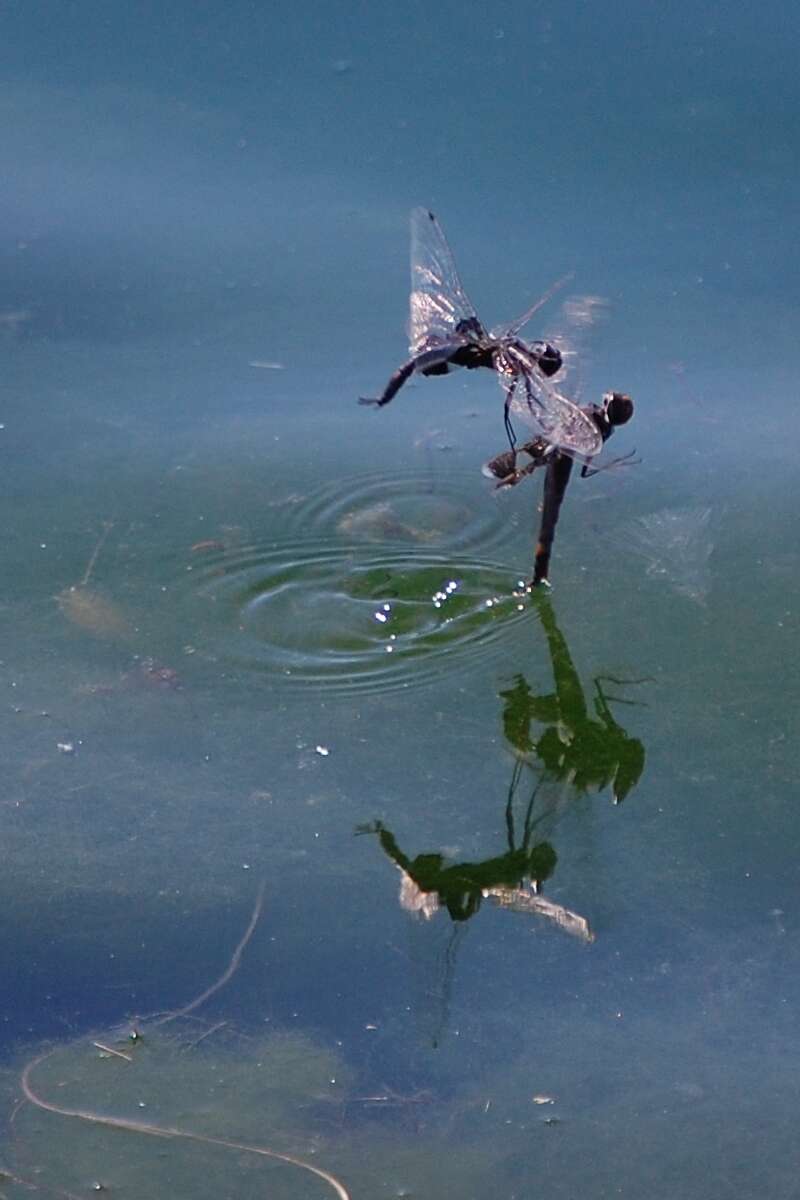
(445, 332)
(429, 882)
(576, 752)
(512, 880)
(590, 752)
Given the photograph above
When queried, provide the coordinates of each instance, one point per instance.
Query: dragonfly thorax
(513, 357)
(473, 354)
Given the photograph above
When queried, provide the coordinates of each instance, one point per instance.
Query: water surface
(527, 864)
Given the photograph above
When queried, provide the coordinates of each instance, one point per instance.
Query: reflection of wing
(541, 406)
(438, 302)
(523, 901)
(508, 331)
(676, 545)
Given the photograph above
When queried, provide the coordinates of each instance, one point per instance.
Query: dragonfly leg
(512, 437)
(626, 460)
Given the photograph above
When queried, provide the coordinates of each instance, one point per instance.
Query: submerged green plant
(175, 1081)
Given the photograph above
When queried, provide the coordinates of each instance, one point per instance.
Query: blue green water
(203, 263)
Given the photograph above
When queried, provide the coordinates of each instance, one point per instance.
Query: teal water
(203, 262)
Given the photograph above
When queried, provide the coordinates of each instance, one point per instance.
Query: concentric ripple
(351, 616)
(405, 508)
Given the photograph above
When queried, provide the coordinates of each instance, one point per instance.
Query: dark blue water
(203, 263)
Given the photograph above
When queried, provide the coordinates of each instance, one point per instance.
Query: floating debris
(89, 610)
(379, 522)
(153, 674)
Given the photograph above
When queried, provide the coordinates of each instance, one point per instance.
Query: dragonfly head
(617, 407)
(548, 358)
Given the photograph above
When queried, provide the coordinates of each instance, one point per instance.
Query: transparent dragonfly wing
(511, 330)
(571, 332)
(438, 303)
(542, 407)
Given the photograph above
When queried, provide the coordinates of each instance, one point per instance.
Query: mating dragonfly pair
(445, 333)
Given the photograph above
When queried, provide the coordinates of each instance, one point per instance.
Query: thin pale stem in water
(226, 975)
(107, 527)
(168, 1131)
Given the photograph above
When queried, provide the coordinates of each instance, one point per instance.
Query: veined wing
(572, 332)
(438, 302)
(508, 331)
(543, 408)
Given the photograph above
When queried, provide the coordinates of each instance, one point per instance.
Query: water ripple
(406, 507)
(351, 616)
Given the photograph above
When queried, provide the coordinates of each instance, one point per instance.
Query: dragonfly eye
(549, 359)
(618, 407)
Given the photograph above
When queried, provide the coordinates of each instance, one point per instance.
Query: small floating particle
(322, 750)
(266, 365)
(66, 747)
(205, 546)
(542, 1099)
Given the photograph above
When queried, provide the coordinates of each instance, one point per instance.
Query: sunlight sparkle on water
(439, 598)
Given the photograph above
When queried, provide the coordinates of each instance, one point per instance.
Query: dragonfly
(615, 409)
(445, 332)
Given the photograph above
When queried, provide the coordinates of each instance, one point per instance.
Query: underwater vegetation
(169, 1079)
